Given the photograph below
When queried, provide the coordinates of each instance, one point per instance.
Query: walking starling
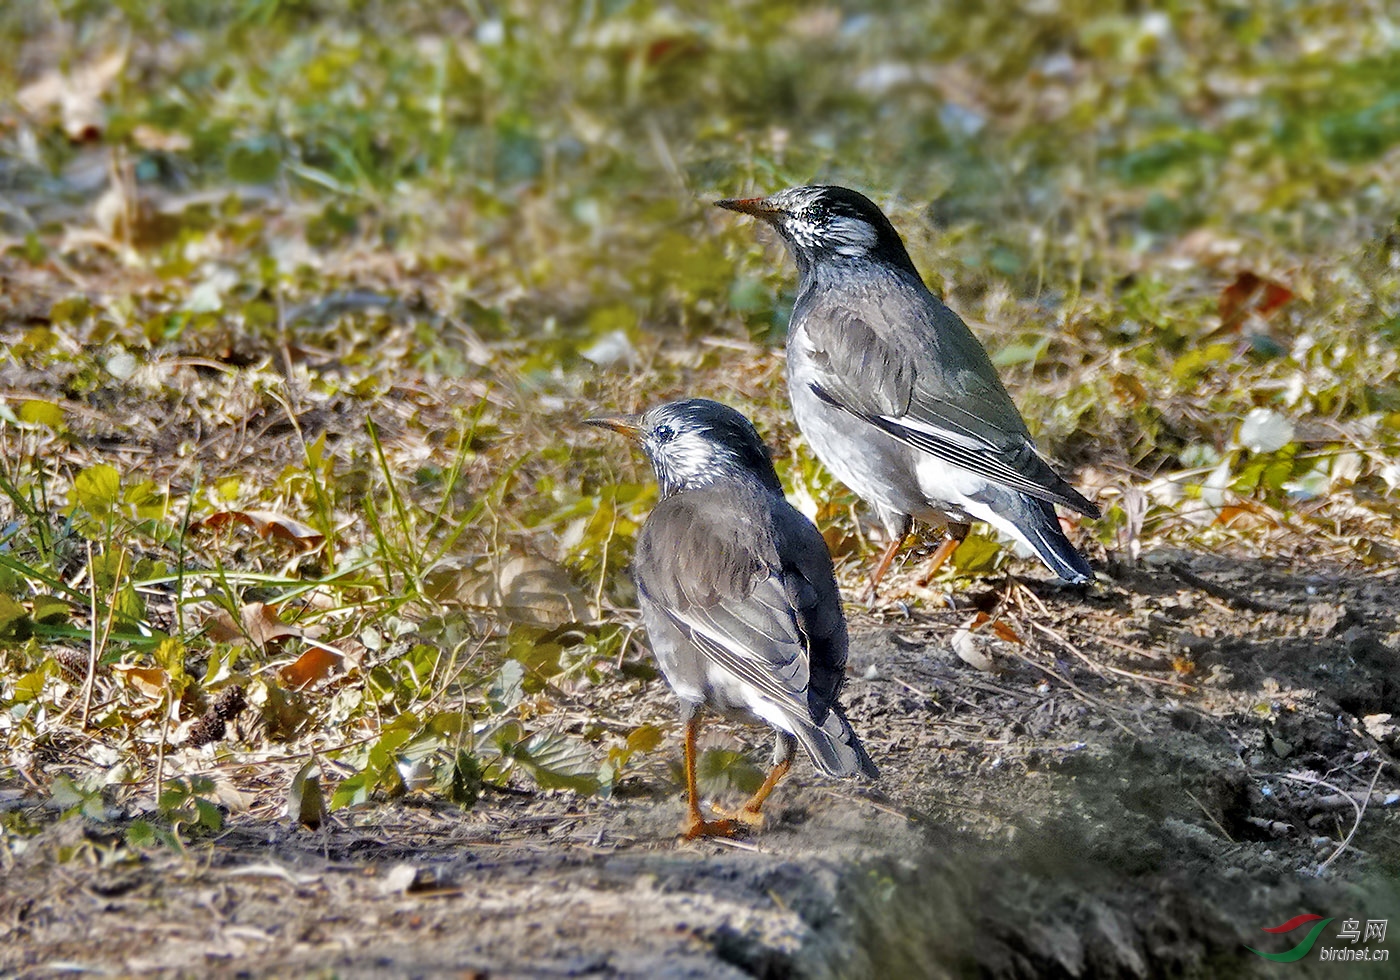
(895, 394)
(738, 597)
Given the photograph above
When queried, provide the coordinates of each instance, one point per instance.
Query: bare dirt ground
(1132, 782)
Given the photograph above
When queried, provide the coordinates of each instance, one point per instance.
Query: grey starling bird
(738, 597)
(895, 394)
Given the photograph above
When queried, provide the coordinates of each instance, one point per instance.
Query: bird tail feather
(1042, 532)
(834, 747)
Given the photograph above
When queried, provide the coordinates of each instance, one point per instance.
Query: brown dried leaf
(1002, 631)
(1242, 516)
(220, 627)
(77, 94)
(1006, 632)
(1250, 293)
(148, 137)
(150, 681)
(525, 588)
(262, 625)
(258, 622)
(316, 664)
(268, 524)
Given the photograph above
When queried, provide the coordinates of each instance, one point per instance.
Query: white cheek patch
(804, 233)
(689, 457)
(694, 461)
(850, 236)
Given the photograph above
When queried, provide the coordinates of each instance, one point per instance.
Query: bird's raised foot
(698, 826)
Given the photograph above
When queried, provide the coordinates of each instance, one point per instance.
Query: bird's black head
(696, 442)
(824, 223)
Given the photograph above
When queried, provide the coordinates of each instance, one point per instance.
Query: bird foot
(743, 815)
(698, 826)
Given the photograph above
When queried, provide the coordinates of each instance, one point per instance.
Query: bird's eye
(663, 434)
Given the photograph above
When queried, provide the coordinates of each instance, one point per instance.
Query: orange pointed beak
(628, 425)
(759, 207)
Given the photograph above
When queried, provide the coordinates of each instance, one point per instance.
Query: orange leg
(942, 553)
(696, 825)
(953, 536)
(886, 559)
(751, 812)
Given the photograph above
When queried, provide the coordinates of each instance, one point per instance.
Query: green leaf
(210, 816)
(170, 654)
(644, 738)
(97, 488)
(447, 723)
(384, 752)
(47, 609)
(976, 555)
(11, 615)
(718, 770)
(464, 786)
(47, 414)
(140, 834)
(353, 790)
(65, 793)
(31, 685)
(508, 688)
(130, 607)
(1021, 353)
(558, 762)
(253, 162)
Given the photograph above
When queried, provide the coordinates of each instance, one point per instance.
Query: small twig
(1139, 651)
(736, 844)
(1225, 593)
(1101, 666)
(911, 688)
(95, 646)
(867, 801)
(91, 677)
(626, 642)
(603, 564)
(1209, 816)
(1360, 812)
(1022, 590)
(1076, 690)
(165, 708)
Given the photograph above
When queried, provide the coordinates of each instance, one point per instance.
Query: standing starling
(895, 394)
(738, 597)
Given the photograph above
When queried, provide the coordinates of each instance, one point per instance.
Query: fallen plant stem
(1356, 825)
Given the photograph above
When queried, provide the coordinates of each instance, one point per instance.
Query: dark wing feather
(747, 580)
(909, 366)
(713, 561)
(757, 640)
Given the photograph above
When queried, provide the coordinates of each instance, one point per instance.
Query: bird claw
(698, 826)
(749, 818)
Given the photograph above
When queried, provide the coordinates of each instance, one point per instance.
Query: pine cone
(209, 728)
(230, 702)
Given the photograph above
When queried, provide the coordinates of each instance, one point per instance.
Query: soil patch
(1132, 782)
